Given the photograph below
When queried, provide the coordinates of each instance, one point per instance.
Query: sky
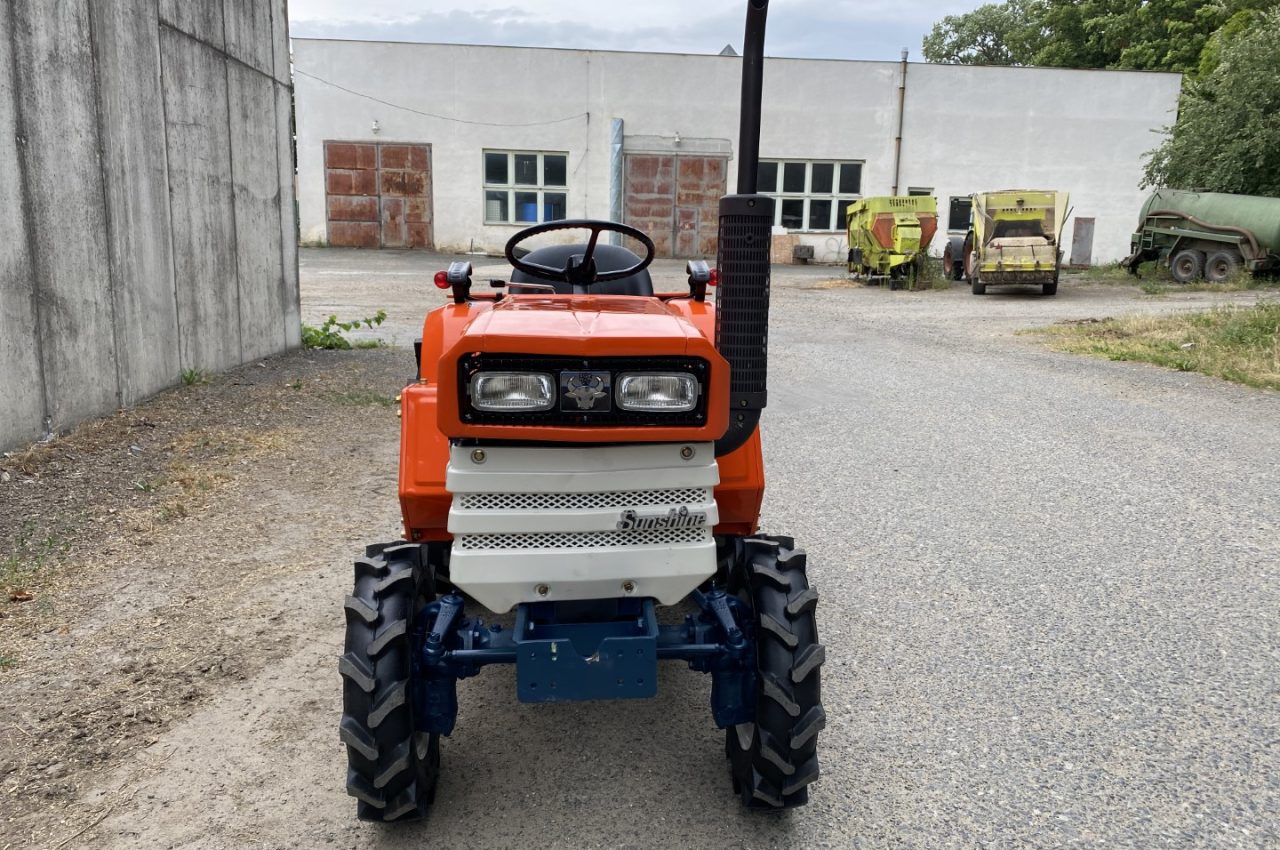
(823, 29)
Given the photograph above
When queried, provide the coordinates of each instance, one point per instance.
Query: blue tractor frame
(589, 650)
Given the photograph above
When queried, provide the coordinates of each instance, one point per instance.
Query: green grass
(1156, 280)
(368, 343)
(7, 661)
(1110, 273)
(931, 276)
(28, 557)
(1240, 282)
(1240, 344)
(191, 377)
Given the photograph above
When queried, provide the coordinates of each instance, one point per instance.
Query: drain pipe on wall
(616, 176)
(897, 142)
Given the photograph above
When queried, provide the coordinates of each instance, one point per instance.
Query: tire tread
(386, 770)
(773, 768)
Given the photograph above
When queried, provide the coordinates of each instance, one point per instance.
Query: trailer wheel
(391, 769)
(952, 267)
(1050, 288)
(1187, 266)
(773, 759)
(971, 269)
(1221, 266)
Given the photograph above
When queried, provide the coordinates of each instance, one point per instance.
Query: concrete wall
(966, 129)
(148, 213)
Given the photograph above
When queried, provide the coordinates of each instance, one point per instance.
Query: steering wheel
(581, 269)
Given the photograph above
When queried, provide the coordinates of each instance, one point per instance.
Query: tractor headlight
(664, 392)
(512, 392)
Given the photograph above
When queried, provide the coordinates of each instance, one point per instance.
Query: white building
(455, 147)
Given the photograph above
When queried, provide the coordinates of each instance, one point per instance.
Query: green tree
(994, 34)
(1154, 35)
(1079, 33)
(1236, 26)
(1227, 137)
(1163, 35)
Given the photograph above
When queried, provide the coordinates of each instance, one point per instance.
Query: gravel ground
(1049, 598)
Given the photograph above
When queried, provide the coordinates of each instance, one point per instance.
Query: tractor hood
(599, 336)
(583, 325)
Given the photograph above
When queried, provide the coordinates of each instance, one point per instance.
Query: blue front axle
(589, 650)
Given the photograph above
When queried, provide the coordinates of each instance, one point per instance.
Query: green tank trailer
(1209, 235)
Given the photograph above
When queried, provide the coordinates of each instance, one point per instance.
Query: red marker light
(714, 280)
(442, 280)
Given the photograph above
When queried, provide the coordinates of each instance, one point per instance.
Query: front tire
(1187, 266)
(774, 759)
(391, 769)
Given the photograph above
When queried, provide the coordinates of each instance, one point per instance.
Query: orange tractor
(581, 449)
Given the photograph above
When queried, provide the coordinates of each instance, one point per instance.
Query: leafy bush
(1227, 138)
(329, 335)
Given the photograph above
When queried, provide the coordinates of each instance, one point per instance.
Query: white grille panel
(546, 540)
(534, 523)
(580, 501)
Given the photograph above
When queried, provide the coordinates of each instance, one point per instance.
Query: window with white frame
(811, 195)
(525, 187)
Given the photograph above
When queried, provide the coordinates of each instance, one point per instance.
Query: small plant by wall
(329, 334)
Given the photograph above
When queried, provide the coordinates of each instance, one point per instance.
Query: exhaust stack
(742, 256)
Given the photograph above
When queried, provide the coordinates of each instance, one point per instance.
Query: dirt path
(1084, 652)
(178, 550)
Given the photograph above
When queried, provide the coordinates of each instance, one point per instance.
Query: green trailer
(889, 236)
(1210, 235)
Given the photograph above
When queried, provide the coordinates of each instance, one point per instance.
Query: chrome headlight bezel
(686, 397)
(540, 386)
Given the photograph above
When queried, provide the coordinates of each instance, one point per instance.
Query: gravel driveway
(1048, 591)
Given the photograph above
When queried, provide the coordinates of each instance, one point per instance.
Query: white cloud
(837, 29)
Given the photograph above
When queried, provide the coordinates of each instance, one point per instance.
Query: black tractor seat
(608, 258)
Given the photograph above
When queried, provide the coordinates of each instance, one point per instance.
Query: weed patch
(1114, 274)
(1155, 279)
(31, 552)
(1241, 282)
(1240, 344)
(329, 334)
(930, 276)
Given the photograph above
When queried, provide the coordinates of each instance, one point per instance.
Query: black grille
(742, 301)
(612, 416)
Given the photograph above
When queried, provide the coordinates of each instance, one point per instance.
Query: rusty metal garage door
(378, 194)
(675, 199)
